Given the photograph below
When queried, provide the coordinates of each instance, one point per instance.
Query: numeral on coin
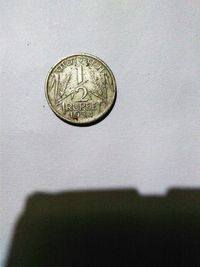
(79, 74)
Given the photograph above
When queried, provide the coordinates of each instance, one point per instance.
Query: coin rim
(103, 114)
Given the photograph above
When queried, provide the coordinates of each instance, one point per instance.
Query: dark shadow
(108, 228)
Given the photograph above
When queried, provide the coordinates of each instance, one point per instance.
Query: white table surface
(151, 139)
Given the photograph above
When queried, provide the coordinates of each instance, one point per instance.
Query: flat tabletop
(150, 142)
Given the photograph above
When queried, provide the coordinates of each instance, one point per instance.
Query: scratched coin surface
(81, 89)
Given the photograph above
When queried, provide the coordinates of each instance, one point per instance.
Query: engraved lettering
(69, 107)
(80, 88)
(80, 59)
(88, 106)
(75, 106)
(90, 62)
(94, 106)
(82, 106)
(69, 62)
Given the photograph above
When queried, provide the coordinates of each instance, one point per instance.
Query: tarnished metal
(81, 89)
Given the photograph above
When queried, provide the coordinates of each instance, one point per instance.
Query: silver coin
(81, 89)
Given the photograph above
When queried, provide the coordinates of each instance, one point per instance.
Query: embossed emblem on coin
(81, 89)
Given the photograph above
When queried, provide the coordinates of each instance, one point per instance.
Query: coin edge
(99, 118)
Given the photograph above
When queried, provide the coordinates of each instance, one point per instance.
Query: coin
(81, 89)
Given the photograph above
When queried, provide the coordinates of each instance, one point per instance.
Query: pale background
(151, 139)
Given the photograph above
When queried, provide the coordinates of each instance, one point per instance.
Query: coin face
(81, 89)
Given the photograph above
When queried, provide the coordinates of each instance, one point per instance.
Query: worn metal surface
(80, 89)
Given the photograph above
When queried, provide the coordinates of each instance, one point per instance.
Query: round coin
(81, 89)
